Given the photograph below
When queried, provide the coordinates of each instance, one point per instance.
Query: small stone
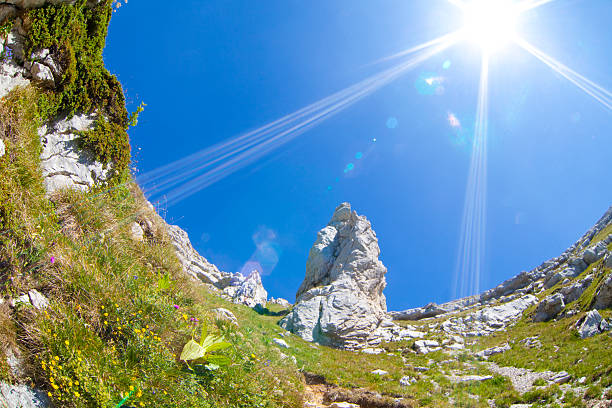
(380, 372)
(137, 232)
(225, 315)
(281, 343)
(370, 350)
(343, 405)
(40, 55)
(561, 377)
(21, 300)
(38, 300)
(42, 74)
(582, 380)
(2, 148)
(406, 381)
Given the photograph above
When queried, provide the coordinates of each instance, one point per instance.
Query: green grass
(111, 327)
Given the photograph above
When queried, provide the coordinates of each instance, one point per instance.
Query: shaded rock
(608, 263)
(589, 326)
(42, 74)
(340, 302)
(225, 315)
(603, 298)
(549, 308)
(560, 378)
(21, 396)
(573, 292)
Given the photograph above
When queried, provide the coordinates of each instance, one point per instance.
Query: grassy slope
(112, 327)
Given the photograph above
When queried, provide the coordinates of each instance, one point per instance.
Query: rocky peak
(340, 302)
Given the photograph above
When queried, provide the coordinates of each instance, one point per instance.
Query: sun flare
(491, 24)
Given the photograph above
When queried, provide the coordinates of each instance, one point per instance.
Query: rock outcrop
(340, 302)
(246, 290)
(21, 396)
(63, 163)
(193, 263)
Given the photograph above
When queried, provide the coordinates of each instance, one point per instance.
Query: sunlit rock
(340, 302)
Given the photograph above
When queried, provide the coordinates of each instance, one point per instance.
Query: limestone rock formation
(247, 290)
(193, 263)
(63, 163)
(549, 308)
(340, 302)
(603, 298)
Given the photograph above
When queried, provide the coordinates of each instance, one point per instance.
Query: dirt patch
(319, 393)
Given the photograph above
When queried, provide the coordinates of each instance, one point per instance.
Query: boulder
(590, 325)
(603, 298)
(549, 308)
(340, 302)
(573, 292)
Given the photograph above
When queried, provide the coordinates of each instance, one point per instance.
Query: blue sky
(212, 70)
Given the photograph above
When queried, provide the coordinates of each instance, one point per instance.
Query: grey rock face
(590, 326)
(603, 298)
(573, 292)
(340, 303)
(549, 308)
(21, 396)
(63, 163)
(489, 319)
(193, 263)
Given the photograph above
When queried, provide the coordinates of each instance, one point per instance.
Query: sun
(491, 24)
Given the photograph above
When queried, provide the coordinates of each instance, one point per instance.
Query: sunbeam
(592, 89)
(473, 227)
(527, 5)
(183, 178)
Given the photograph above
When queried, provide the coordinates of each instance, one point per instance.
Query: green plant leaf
(192, 351)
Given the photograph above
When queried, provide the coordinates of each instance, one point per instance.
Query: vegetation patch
(76, 35)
